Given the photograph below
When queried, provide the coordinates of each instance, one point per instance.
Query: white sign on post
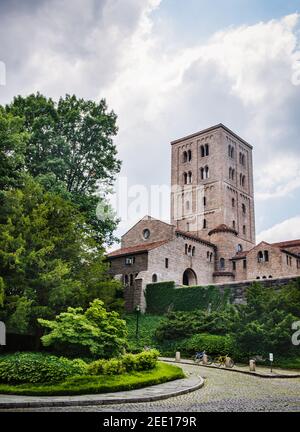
(271, 357)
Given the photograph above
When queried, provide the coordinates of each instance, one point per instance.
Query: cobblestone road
(223, 391)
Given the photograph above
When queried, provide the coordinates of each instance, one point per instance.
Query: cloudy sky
(169, 68)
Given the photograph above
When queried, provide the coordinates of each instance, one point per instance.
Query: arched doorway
(189, 277)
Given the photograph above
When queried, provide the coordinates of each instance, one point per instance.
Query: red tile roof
(145, 247)
(287, 244)
(222, 228)
(194, 237)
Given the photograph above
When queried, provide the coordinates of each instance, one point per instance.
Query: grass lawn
(78, 385)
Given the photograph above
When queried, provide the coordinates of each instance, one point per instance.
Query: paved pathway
(262, 371)
(223, 391)
(157, 392)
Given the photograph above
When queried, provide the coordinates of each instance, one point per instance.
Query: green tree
(264, 323)
(45, 246)
(96, 331)
(13, 141)
(71, 150)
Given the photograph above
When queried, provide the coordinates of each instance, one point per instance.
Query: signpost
(271, 358)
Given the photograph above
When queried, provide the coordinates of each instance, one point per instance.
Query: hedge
(145, 360)
(95, 384)
(164, 296)
(213, 344)
(38, 368)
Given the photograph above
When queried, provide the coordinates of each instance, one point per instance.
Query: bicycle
(198, 358)
(224, 361)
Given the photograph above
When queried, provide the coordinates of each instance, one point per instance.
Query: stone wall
(239, 288)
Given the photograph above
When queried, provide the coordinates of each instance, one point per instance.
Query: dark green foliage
(264, 324)
(127, 363)
(147, 328)
(38, 368)
(47, 259)
(163, 297)
(99, 383)
(214, 345)
(13, 141)
(183, 324)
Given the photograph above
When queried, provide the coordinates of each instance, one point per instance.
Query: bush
(179, 325)
(128, 363)
(94, 331)
(99, 384)
(146, 360)
(212, 344)
(38, 368)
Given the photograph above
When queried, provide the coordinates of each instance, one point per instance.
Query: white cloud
(286, 230)
(278, 178)
(162, 90)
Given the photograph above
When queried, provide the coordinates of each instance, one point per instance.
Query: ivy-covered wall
(162, 297)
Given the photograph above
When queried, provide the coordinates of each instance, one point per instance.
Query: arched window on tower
(233, 174)
(189, 155)
(202, 151)
(206, 150)
(244, 208)
(233, 202)
(206, 170)
(233, 224)
(193, 251)
(190, 177)
(222, 263)
(184, 157)
(204, 201)
(230, 173)
(202, 173)
(186, 249)
(185, 178)
(204, 223)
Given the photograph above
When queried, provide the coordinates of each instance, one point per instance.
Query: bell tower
(212, 184)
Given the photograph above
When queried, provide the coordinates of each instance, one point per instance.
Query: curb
(257, 374)
(79, 401)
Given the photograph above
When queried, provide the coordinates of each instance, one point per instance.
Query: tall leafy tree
(71, 150)
(13, 142)
(45, 246)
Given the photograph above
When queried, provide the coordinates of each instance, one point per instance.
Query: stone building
(211, 237)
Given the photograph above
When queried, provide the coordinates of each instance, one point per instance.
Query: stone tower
(212, 185)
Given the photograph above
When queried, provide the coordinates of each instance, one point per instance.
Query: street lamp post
(137, 309)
